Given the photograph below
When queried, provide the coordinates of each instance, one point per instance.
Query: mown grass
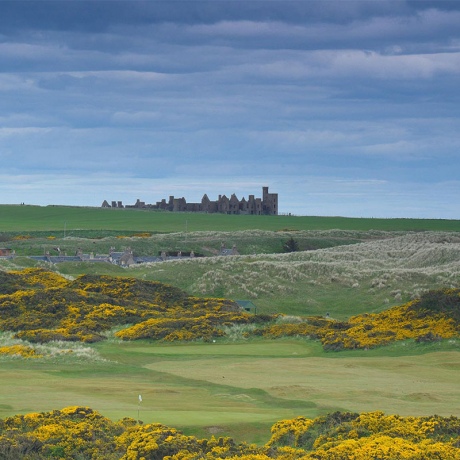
(237, 389)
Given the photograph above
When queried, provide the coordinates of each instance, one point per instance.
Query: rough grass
(52, 351)
(202, 243)
(404, 385)
(385, 269)
(342, 281)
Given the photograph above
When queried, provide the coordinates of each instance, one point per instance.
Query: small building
(127, 259)
(228, 252)
(247, 305)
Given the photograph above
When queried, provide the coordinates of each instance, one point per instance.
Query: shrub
(79, 432)
(51, 308)
(23, 351)
(445, 301)
(41, 306)
(291, 245)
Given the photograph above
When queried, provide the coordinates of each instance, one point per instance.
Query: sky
(342, 107)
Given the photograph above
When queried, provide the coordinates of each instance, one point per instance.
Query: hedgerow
(80, 432)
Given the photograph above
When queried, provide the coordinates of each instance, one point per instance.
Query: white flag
(140, 398)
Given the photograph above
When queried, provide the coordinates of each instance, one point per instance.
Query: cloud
(349, 102)
(350, 64)
(21, 132)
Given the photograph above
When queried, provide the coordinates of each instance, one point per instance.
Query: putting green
(412, 385)
(267, 349)
(233, 389)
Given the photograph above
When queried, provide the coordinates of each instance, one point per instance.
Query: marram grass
(383, 270)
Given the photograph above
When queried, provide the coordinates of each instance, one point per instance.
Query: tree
(291, 245)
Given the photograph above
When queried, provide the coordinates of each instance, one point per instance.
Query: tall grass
(341, 281)
(54, 350)
(202, 243)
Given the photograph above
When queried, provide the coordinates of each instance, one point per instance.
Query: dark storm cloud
(100, 15)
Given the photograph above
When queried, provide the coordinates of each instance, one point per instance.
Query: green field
(235, 387)
(73, 219)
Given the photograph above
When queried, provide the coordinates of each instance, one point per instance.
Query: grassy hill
(352, 272)
(343, 267)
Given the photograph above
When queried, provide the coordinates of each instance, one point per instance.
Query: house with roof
(6, 252)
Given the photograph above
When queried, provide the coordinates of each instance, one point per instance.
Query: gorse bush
(14, 348)
(79, 432)
(434, 316)
(19, 350)
(445, 301)
(371, 435)
(397, 323)
(47, 307)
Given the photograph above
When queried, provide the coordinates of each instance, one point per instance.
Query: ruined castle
(267, 205)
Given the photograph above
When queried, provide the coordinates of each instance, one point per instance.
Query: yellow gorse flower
(80, 432)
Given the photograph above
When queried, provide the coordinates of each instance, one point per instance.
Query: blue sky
(342, 107)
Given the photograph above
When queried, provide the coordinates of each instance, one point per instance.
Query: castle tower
(264, 194)
(269, 202)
